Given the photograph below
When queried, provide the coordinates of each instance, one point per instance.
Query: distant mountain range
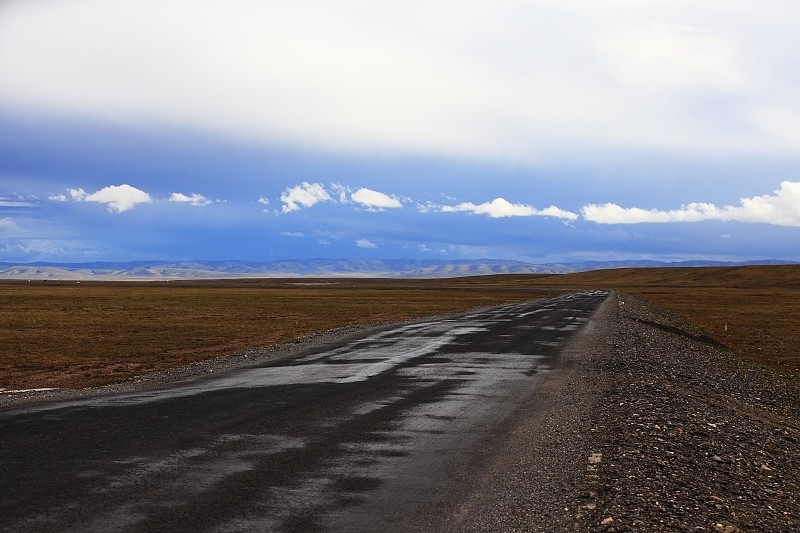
(374, 268)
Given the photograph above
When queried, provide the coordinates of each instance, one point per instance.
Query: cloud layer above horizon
(502, 80)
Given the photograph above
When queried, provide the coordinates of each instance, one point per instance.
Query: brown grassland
(755, 310)
(76, 335)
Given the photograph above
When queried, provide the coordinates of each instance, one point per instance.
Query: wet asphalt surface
(380, 433)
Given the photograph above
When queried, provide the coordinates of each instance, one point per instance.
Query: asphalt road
(381, 433)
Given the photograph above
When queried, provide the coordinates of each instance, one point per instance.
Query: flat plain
(754, 310)
(93, 333)
(74, 335)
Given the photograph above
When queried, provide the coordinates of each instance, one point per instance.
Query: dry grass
(94, 333)
(754, 310)
(762, 324)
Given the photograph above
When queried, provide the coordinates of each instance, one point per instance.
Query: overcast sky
(546, 130)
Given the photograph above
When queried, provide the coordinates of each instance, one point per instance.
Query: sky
(540, 131)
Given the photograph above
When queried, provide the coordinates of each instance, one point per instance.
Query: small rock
(766, 470)
(607, 521)
(726, 527)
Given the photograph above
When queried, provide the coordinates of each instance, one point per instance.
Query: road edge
(532, 482)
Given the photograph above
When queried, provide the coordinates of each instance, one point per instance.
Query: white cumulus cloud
(77, 195)
(428, 207)
(365, 243)
(303, 195)
(193, 199)
(375, 200)
(118, 198)
(341, 191)
(501, 208)
(781, 209)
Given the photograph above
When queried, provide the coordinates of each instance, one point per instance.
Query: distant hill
(374, 268)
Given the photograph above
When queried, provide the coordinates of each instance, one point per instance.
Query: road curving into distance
(381, 433)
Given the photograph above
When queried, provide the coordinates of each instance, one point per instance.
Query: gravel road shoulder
(648, 426)
(689, 437)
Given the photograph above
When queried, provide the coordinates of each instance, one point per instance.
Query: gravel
(689, 436)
